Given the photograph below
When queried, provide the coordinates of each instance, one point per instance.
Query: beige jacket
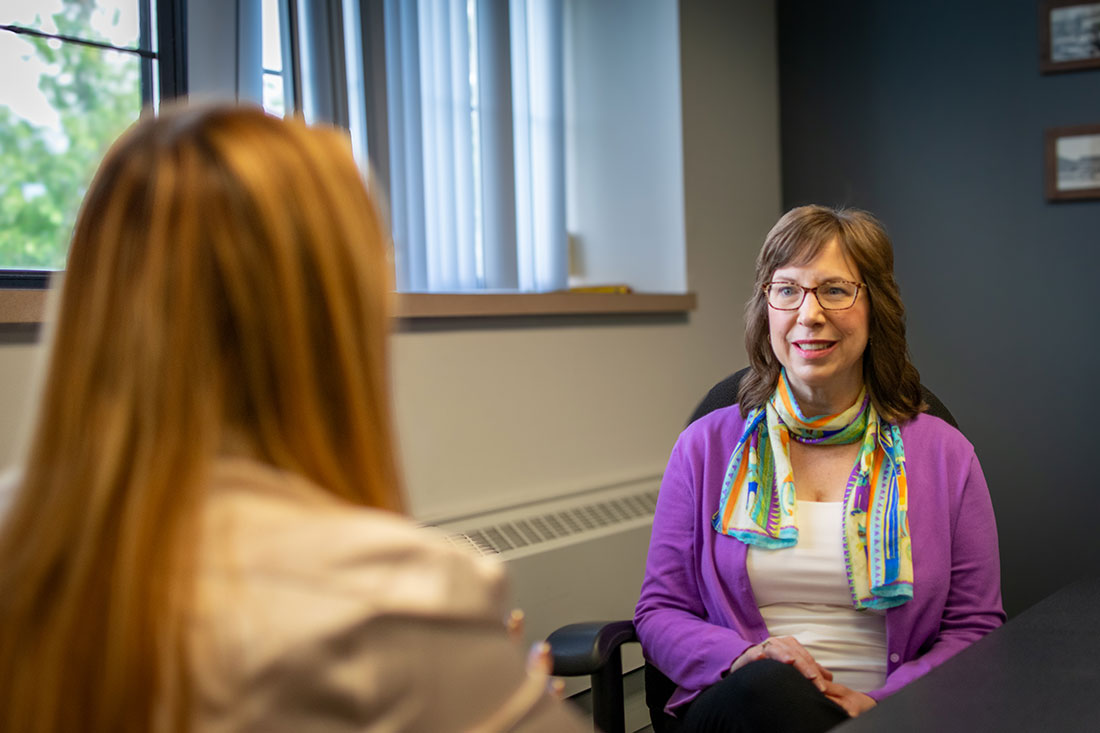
(315, 616)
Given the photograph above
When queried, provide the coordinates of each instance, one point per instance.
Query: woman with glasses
(206, 530)
(823, 542)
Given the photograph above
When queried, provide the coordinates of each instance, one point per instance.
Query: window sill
(487, 305)
(27, 306)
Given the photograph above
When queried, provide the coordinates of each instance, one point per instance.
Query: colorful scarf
(758, 497)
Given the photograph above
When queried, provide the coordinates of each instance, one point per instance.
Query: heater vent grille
(522, 533)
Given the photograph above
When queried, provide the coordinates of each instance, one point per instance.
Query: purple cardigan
(697, 612)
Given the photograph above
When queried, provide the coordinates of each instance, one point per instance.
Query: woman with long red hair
(206, 530)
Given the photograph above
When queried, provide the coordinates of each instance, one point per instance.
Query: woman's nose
(810, 311)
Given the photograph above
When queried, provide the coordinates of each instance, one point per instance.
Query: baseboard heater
(576, 558)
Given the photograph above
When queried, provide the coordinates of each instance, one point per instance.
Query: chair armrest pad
(579, 649)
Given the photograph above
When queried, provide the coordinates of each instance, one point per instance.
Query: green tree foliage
(43, 175)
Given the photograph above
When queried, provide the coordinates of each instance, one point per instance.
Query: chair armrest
(579, 649)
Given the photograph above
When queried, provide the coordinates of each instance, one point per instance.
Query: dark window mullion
(145, 40)
(292, 67)
(171, 47)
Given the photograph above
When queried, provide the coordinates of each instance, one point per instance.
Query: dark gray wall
(931, 115)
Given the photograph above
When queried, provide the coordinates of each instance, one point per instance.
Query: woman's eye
(838, 289)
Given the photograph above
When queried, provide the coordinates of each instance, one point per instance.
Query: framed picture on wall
(1069, 35)
(1073, 162)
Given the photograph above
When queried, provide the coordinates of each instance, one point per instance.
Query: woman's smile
(814, 349)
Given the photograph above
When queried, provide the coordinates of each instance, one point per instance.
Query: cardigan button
(894, 658)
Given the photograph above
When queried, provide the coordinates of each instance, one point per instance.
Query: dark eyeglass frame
(806, 291)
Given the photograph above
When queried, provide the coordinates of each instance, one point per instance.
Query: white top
(802, 591)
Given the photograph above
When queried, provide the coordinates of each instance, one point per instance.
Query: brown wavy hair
(227, 291)
(796, 239)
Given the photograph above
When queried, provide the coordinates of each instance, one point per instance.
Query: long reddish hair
(227, 289)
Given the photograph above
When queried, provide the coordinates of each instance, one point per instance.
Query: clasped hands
(786, 649)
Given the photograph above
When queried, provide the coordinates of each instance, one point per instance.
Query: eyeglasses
(835, 295)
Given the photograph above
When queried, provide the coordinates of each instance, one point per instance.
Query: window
(476, 144)
(458, 105)
(497, 126)
(488, 138)
(77, 73)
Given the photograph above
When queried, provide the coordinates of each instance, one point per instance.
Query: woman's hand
(853, 701)
(786, 649)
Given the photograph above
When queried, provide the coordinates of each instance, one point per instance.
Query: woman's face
(822, 350)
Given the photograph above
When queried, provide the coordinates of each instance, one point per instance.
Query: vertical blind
(476, 144)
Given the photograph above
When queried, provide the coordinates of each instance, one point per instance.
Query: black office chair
(594, 648)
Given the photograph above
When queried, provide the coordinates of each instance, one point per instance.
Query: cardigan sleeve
(671, 616)
(973, 605)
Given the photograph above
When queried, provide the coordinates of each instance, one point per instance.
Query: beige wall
(18, 366)
(506, 413)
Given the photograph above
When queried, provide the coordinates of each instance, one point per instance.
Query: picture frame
(1069, 35)
(1073, 162)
